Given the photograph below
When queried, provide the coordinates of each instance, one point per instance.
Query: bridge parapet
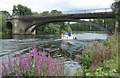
(64, 13)
(88, 11)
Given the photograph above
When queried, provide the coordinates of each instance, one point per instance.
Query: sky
(61, 5)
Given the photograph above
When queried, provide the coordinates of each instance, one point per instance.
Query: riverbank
(91, 31)
(100, 59)
(62, 50)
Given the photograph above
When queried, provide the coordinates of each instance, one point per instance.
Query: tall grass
(33, 64)
(104, 55)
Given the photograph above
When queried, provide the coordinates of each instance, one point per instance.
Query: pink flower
(41, 63)
(15, 63)
(4, 65)
(50, 72)
(16, 74)
(55, 74)
(16, 56)
(19, 73)
(9, 59)
(38, 70)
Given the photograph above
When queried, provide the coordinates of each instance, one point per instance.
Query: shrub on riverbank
(101, 59)
(33, 64)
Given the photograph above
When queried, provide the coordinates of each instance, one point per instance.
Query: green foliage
(103, 60)
(21, 10)
(116, 8)
(53, 28)
(78, 73)
(101, 72)
(67, 72)
(35, 13)
(55, 12)
(45, 13)
(85, 58)
(5, 13)
(107, 23)
(66, 28)
(4, 30)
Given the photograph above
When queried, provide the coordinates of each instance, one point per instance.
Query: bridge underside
(70, 20)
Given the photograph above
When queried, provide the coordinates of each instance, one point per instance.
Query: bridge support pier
(18, 27)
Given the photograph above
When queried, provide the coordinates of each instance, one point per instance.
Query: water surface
(62, 50)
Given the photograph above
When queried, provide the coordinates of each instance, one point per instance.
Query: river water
(62, 50)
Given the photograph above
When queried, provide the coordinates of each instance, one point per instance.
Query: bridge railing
(88, 11)
(71, 12)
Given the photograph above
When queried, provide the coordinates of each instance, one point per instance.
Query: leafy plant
(101, 72)
(101, 59)
(86, 59)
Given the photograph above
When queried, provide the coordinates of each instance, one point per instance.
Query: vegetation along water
(91, 54)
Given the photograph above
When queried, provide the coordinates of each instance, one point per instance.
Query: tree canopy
(116, 8)
(21, 10)
(53, 28)
(5, 13)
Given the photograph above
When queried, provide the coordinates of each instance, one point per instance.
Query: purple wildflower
(16, 56)
(40, 61)
(9, 59)
(38, 70)
(50, 72)
(16, 74)
(4, 65)
(15, 63)
(19, 73)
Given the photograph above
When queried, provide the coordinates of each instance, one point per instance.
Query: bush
(101, 55)
(101, 72)
(85, 58)
(33, 64)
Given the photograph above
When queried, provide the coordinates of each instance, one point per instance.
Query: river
(63, 50)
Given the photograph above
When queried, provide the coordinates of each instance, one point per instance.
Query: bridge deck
(97, 15)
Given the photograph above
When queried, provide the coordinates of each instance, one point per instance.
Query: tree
(45, 13)
(116, 8)
(21, 10)
(5, 13)
(35, 13)
(5, 31)
(52, 29)
(66, 28)
(55, 12)
(109, 24)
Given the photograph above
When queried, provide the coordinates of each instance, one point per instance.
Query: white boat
(68, 35)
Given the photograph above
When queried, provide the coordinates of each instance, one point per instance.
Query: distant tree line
(107, 23)
(53, 28)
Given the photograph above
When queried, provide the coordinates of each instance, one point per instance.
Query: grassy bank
(100, 59)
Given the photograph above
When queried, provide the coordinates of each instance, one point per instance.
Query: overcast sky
(62, 5)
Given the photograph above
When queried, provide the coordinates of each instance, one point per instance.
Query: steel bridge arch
(70, 20)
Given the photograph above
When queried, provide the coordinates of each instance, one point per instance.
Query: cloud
(48, 5)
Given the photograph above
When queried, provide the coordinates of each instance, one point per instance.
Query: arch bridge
(27, 24)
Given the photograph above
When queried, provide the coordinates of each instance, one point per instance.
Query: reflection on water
(63, 50)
